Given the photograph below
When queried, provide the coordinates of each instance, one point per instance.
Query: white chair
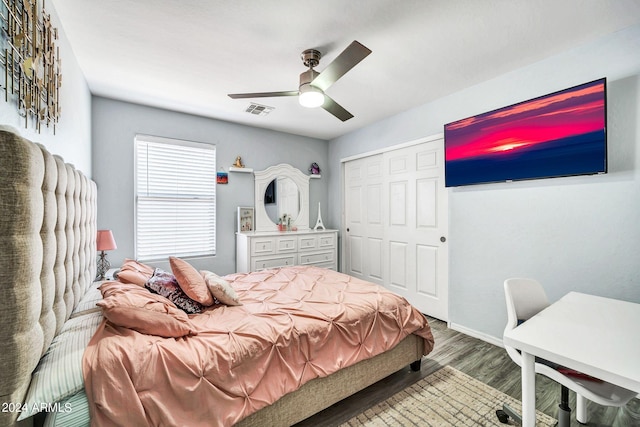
(525, 298)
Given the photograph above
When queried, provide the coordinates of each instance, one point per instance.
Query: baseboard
(473, 333)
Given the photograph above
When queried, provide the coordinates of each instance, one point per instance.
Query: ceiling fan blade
(263, 94)
(336, 109)
(349, 58)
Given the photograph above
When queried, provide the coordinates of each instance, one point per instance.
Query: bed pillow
(135, 272)
(146, 313)
(220, 288)
(190, 281)
(59, 373)
(113, 288)
(88, 300)
(165, 284)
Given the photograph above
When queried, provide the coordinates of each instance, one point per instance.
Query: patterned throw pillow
(165, 284)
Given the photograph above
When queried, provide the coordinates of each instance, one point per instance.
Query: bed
(49, 313)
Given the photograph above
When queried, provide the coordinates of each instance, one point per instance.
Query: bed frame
(48, 260)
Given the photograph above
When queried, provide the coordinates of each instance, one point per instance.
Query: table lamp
(104, 242)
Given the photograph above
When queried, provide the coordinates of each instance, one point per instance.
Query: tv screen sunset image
(560, 134)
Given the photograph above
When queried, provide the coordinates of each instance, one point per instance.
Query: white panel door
(364, 219)
(416, 231)
(396, 224)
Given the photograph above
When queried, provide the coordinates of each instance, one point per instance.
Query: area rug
(445, 398)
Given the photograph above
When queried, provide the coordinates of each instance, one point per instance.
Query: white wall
(115, 125)
(72, 139)
(578, 233)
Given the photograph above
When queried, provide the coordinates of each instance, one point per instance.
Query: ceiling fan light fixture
(310, 96)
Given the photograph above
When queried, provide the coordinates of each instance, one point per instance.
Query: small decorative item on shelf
(314, 169)
(238, 163)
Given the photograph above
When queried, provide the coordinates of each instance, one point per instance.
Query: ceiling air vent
(258, 110)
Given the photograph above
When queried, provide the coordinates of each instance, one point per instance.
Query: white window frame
(161, 204)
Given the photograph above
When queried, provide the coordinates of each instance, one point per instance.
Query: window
(175, 198)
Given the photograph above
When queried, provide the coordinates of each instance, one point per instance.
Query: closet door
(396, 224)
(416, 228)
(364, 226)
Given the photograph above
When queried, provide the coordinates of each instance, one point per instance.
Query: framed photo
(245, 219)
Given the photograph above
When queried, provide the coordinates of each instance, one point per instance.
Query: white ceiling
(187, 55)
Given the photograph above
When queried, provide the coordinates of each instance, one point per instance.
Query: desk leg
(528, 390)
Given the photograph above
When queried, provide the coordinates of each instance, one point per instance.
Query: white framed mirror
(280, 190)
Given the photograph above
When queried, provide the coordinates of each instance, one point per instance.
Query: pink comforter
(295, 324)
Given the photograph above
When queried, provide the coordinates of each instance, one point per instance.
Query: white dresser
(262, 250)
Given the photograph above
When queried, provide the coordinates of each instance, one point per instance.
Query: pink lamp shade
(105, 241)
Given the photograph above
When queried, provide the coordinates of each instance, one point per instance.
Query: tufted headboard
(47, 256)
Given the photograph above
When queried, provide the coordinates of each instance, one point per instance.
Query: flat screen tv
(560, 134)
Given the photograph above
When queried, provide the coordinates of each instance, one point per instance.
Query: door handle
(443, 239)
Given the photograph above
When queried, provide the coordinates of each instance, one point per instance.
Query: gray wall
(115, 125)
(578, 233)
(72, 139)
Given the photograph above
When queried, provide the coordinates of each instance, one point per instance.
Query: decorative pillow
(165, 284)
(88, 300)
(135, 272)
(110, 289)
(220, 288)
(59, 373)
(147, 313)
(190, 281)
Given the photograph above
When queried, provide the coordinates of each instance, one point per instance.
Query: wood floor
(479, 359)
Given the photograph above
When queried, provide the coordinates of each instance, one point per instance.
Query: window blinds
(175, 198)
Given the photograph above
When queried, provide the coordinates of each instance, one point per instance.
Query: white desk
(595, 335)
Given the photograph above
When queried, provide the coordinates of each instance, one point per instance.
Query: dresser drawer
(308, 242)
(273, 262)
(317, 258)
(326, 241)
(263, 246)
(287, 244)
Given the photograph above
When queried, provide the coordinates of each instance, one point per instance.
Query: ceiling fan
(311, 92)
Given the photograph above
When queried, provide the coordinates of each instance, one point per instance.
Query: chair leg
(564, 411)
(508, 410)
(581, 409)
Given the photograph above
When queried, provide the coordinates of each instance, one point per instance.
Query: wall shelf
(241, 170)
(316, 176)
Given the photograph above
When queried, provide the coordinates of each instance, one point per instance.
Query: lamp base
(103, 266)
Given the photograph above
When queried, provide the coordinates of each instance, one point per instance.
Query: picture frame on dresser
(245, 219)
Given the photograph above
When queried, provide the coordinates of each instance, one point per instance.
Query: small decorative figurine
(238, 163)
(314, 169)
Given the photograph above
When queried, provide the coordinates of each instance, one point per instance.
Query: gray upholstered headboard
(47, 256)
